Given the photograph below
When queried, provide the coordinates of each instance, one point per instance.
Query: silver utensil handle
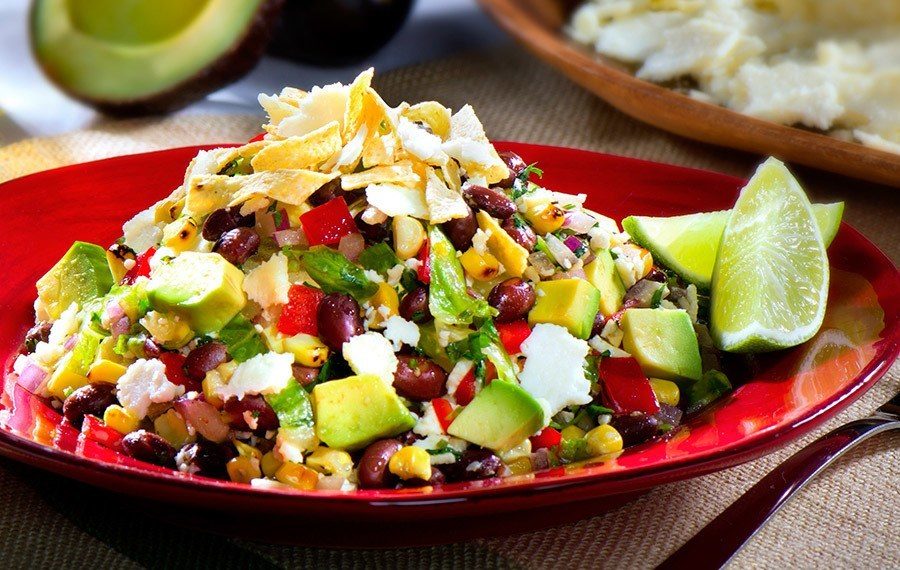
(722, 538)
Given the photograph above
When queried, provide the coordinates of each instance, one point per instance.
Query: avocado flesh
(500, 417)
(353, 412)
(202, 288)
(569, 303)
(603, 275)
(131, 57)
(663, 342)
(81, 275)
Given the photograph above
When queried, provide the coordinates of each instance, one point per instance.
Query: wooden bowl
(539, 26)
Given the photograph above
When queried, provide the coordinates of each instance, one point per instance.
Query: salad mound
(368, 297)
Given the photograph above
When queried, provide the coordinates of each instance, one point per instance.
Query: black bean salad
(367, 297)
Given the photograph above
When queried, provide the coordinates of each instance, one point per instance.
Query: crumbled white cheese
(602, 346)
(559, 381)
(374, 276)
(145, 383)
(400, 331)
(480, 241)
(267, 373)
(460, 369)
(142, 232)
(394, 274)
(371, 353)
(444, 204)
(417, 141)
(319, 107)
(270, 485)
(268, 284)
(612, 334)
(65, 326)
(428, 423)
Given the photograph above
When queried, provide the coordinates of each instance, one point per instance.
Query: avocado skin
(243, 56)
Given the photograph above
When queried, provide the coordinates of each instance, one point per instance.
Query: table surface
(34, 107)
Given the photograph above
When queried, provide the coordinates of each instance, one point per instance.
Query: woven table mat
(847, 518)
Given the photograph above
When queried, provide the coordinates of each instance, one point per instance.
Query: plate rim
(615, 482)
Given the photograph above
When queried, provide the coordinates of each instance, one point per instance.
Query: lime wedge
(770, 280)
(688, 244)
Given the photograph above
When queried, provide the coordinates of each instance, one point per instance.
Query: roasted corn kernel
(121, 419)
(242, 469)
(297, 476)
(247, 450)
(386, 297)
(666, 391)
(181, 235)
(409, 236)
(603, 440)
(411, 463)
(546, 218)
(572, 432)
(270, 464)
(482, 267)
(330, 461)
(105, 371)
(172, 428)
(307, 349)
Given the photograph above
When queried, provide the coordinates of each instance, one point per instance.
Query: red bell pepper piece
(424, 270)
(141, 267)
(625, 387)
(443, 410)
(513, 334)
(299, 314)
(328, 223)
(465, 391)
(546, 438)
(94, 429)
(175, 373)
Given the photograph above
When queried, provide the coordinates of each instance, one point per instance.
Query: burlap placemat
(847, 518)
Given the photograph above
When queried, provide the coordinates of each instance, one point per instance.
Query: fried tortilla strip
(401, 173)
(443, 203)
(306, 152)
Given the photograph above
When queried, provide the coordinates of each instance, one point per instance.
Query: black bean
(521, 232)
(91, 399)
(207, 458)
(474, 464)
(494, 202)
(635, 428)
(414, 306)
(204, 358)
(515, 164)
(305, 375)
(599, 323)
(372, 472)
(512, 298)
(326, 193)
(225, 220)
(149, 447)
(237, 245)
(418, 378)
(460, 231)
(338, 320)
(373, 233)
(151, 349)
(262, 415)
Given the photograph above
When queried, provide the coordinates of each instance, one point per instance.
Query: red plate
(784, 395)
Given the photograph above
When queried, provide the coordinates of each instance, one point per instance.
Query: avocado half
(138, 57)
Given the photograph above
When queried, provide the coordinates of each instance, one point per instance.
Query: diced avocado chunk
(664, 343)
(201, 288)
(353, 412)
(603, 275)
(570, 303)
(500, 417)
(81, 275)
(72, 371)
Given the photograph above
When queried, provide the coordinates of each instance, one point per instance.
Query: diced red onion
(561, 253)
(32, 377)
(70, 342)
(351, 245)
(579, 222)
(289, 237)
(574, 244)
(203, 417)
(120, 326)
(114, 311)
(641, 293)
(575, 273)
